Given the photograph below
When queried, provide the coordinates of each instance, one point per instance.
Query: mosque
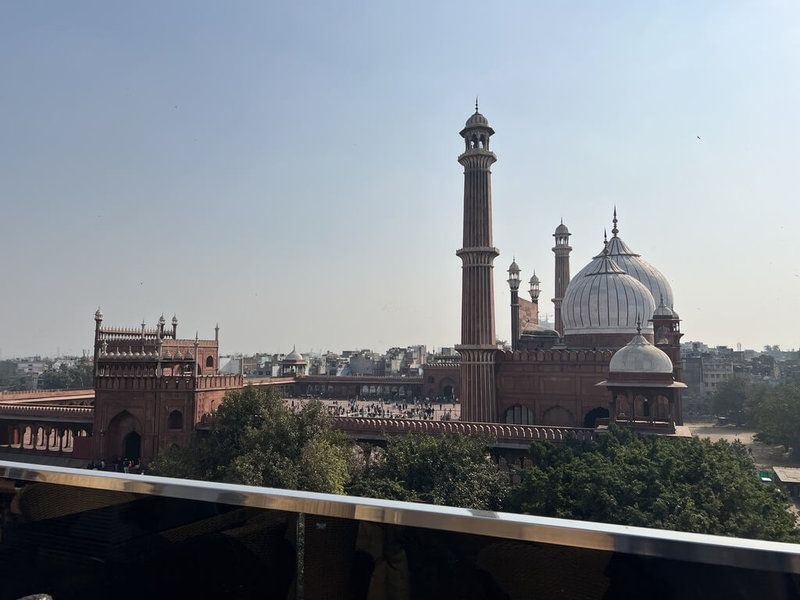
(614, 352)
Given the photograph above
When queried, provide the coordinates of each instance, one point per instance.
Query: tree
(729, 399)
(775, 412)
(255, 439)
(667, 483)
(455, 470)
(77, 377)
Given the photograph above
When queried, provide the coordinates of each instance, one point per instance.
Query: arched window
(210, 361)
(175, 420)
(519, 415)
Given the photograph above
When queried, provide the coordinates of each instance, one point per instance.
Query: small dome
(174, 320)
(477, 119)
(534, 279)
(161, 320)
(561, 230)
(514, 268)
(98, 314)
(640, 356)
(662, 310)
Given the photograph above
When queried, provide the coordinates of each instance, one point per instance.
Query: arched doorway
(590, 420)
(133, 446)
(119, 436)
(448, 391)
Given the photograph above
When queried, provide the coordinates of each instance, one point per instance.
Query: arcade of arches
(48, 437)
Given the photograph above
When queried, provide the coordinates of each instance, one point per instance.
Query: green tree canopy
(729, 399)
(255, 439)
(77, 377)
(455, 470)
(775, 412)
(688, 484)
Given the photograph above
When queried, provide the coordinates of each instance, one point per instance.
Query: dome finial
(638, 325)
(476, 104)
(605, 236)
(615, 231)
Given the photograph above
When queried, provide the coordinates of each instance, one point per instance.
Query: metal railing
(71, 530)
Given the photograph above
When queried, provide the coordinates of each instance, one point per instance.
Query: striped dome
(603, 298)
(635, 266)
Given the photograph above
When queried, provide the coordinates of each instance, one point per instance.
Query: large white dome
(637, 267)
(603, 298)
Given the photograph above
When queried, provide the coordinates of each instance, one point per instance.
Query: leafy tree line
(684, 484)
(774, 411)
(77, 377)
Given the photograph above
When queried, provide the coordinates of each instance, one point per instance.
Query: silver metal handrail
(677, 545)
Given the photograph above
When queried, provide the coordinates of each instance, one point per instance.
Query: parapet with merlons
(187, 382)
(560, 356)
(504, 433)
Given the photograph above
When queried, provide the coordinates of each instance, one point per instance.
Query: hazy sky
(289, 169)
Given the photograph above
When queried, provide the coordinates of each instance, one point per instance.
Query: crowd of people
(120, 465)
(440, 409)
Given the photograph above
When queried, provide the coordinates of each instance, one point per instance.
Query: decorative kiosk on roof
(644, 393)
(293, 364)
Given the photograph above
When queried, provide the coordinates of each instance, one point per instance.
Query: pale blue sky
(289, 170)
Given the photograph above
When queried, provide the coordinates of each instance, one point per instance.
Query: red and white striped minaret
(478, 342)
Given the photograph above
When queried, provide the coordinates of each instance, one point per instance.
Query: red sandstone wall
(559, 387)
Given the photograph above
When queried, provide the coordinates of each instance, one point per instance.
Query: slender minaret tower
(561, 250)
(513, 284)
(478, 341)
(98, 321)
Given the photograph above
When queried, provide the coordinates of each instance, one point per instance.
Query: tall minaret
(561, 250)
(478, 342)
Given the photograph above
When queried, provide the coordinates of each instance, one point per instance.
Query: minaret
(534, 291)
(513, 284)
(561, 250)
(478, 341)
(98, 321)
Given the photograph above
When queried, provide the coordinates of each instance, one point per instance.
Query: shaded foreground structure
(73, 533)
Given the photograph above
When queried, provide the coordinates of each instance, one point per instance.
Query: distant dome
(640, 356)
(294, 357)
(98, 314)
(561, 230)
(603, 298)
